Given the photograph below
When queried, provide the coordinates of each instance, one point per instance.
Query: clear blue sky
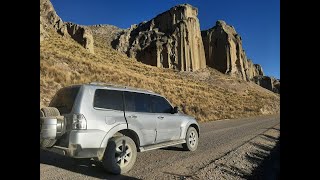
(257, 21)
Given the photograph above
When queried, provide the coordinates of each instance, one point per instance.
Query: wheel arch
(196, 127)
(120, 129)
(132, 134)
(185, 126)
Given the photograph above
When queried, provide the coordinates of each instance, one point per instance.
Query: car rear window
(64, 99)
(108, 99)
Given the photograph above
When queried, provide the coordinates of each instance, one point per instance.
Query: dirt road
(227, 148)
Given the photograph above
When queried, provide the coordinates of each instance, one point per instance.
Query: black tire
(114, 152)
(48, 112)
(192, 139)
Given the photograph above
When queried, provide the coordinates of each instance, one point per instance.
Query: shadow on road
(84, 166)
(268, 163)
(174, 148)
(269, 168)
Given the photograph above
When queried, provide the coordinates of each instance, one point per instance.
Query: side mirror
(175, 110)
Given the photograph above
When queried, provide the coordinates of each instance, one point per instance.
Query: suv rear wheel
(120, 155)
(192, 140)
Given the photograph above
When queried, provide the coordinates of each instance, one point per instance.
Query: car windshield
(64, 99)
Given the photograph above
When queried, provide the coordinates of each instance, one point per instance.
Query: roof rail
(105, 84)
(118, 86)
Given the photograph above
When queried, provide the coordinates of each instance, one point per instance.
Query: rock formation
(49, 20)
(170, 40)
(251, 70)
(81, 34)
(224, 52)
(267, 82)
(258, 70)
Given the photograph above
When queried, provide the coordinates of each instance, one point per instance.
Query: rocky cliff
(49, 20)
(170, 40)
(224, 52)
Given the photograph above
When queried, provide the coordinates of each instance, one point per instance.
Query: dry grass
(206, 95)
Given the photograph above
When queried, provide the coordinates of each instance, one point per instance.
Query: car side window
(160, 105)
(137, 102)
(108, 99)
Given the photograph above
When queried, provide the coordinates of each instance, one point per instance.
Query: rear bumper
(75, 151)
(79, 144)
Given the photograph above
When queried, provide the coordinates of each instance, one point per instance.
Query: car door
(168, 125)
(107, 109)
(138, 114)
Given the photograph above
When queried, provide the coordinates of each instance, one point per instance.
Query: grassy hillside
(206, 94)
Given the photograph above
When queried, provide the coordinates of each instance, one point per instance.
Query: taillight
(79, 122)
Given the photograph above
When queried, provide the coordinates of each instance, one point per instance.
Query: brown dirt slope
(206, 94)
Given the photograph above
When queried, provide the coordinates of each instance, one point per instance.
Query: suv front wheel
(192, 140)
(120, 155)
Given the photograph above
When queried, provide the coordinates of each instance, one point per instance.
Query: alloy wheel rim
(123, 154)
(192, 139)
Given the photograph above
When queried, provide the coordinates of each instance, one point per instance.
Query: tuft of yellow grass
(206, 94)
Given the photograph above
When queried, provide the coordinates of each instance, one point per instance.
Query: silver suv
(111, 124)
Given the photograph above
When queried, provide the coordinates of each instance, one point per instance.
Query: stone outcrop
(267, 82)
(251, 70)
(49, 20)
(81, 34)
(224, 52)
(258, 70)
(170, 40)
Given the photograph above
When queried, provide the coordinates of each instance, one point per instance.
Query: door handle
(133, 116)
(160, 117)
